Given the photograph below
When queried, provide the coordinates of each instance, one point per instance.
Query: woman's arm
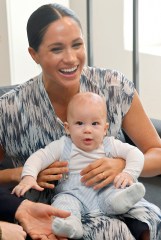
(139, 128)
(11, 175)
(45, 178)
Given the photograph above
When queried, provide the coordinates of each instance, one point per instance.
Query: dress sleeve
(119, 92)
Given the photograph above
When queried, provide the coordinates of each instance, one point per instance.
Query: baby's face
(87, 126)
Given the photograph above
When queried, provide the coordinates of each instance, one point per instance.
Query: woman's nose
(69, 56)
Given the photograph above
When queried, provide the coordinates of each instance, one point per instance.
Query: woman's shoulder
(22, 90)
(110, 76)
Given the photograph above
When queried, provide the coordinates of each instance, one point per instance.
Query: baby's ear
(106, 127)
(66, 126)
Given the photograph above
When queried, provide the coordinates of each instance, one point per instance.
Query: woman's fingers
(60, 213)
(53, 173)
(44, 237)
(101, 172)
(93, 172)
(99, 181)
(92, 168)
(58, 167)
(47, 185)
(45, 179)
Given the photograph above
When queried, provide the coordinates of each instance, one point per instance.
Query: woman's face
(62, 53)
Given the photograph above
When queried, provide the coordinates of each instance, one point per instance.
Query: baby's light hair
(83, 97)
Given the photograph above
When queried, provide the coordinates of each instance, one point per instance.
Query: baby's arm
(134, 163)
(37, 162)
(25, 184)
(31, 169)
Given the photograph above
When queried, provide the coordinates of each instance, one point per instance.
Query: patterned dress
(28, 122)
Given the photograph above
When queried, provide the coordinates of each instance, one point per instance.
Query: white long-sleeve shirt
(79, 159)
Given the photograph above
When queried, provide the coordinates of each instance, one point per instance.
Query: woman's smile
(69, 72)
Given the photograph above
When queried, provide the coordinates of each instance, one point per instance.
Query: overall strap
(107, 147)
(65, 156)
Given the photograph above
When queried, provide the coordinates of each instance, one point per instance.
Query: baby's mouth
(87, 140)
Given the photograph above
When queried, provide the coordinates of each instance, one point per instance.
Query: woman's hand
(102, 172)
(12, 231)
(36, 219)
(53, 173)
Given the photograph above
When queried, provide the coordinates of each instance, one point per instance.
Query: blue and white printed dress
(28, 122)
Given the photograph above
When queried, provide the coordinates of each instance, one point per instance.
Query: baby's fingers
(123, 180)
(18, 190)
(25, 188)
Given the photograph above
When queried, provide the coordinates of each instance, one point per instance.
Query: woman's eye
(79, 123)
(77, 45)
(56, 50)
(95, 123)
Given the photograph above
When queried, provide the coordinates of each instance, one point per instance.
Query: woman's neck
(60, 98)
(61, 95)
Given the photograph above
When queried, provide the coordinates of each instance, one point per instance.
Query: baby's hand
(123, 180)
(25, 184)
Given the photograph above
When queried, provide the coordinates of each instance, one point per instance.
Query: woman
(36, 110)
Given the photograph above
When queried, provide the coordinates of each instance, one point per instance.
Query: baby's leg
(70, 227)
(114, 201)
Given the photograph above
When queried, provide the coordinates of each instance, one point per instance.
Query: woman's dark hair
(40, 19)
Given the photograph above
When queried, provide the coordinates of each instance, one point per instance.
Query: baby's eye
(95, 123)
(79, 123)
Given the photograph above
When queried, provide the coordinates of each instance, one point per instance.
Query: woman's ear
(33, 54)
(66, 126)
